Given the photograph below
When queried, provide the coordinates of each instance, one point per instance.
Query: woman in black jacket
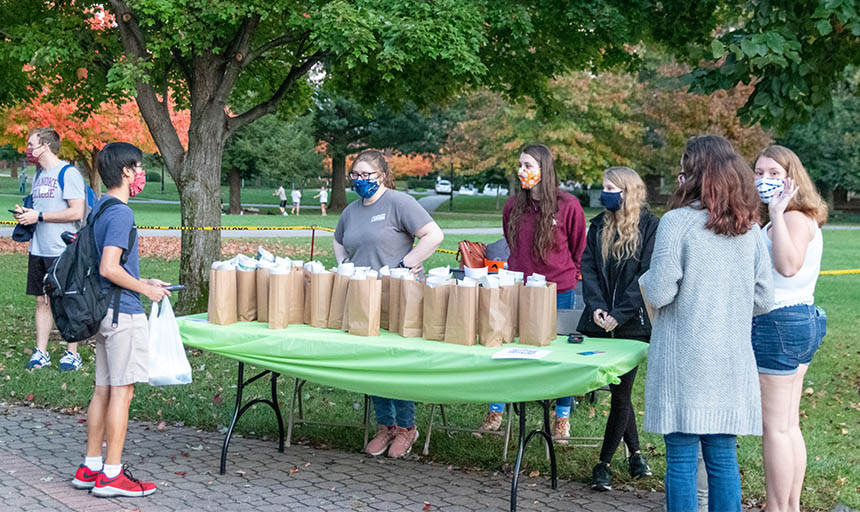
(618, 251)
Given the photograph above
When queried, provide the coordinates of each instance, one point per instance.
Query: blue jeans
(563, 300)
(721, 463)
(390, 412)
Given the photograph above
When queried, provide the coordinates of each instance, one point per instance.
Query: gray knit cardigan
(702, 376)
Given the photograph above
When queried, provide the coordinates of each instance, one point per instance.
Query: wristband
(40, 217)
(401, 264)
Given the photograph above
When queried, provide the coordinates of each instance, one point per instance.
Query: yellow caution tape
(839, 272)
(320, 228)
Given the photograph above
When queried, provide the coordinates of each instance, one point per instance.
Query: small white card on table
(521, 353)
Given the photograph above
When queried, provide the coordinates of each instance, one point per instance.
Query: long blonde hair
(807, 199)
(620, 234)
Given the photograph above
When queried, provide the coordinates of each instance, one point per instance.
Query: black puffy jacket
(620, 297)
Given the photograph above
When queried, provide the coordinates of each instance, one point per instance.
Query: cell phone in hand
(16, 212)
(175, 287)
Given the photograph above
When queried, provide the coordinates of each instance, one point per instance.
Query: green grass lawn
(830, 408)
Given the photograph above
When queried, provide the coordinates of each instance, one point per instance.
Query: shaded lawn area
(830, 408)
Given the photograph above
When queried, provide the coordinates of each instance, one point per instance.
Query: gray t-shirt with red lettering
(381, 233)
(49, 197)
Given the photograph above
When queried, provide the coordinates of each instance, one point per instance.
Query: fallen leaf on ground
(534, 474)
(162, 425)
(591, 412)
(180, 473)
(426, 506)
(29, 397)
(217, 399)
(294, 469)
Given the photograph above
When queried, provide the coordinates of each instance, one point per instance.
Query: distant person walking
(22, 181)
(282, 194)
(323, 195)
(297, 199)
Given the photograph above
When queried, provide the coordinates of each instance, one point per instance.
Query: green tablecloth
(416, 369)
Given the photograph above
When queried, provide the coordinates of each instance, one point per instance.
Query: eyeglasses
(362, 176)
(34, 146)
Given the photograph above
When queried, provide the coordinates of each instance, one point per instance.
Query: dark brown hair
(543, 197)
(376, 159)
(719, 179)
(50, 137)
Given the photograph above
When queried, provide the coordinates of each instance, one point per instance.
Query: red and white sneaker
(123, 484)
(85, 478)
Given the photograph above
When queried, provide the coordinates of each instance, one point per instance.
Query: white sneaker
(285, 214)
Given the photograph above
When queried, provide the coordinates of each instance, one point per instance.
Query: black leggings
(622, 419)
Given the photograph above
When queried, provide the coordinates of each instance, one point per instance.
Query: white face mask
(768, 188)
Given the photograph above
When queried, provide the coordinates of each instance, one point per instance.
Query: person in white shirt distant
(323, 195)
(282, 195)
(297, 198)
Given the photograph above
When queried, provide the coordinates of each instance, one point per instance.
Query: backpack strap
(61, 179)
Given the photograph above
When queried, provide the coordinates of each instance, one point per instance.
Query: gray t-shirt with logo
(49, 197)
(382, 233)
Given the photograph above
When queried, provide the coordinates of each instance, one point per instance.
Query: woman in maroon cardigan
(545, 229)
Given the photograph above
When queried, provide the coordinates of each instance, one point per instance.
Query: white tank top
(799, 288)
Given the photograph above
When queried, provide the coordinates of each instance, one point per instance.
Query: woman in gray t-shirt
(376, 230)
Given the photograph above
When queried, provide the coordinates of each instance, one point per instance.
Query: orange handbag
(471, 254)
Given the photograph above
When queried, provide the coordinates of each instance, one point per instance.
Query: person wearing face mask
(57, 207)
(545, 230)
(122, 348)
(378, 230)
(785, 339)
(617, 253)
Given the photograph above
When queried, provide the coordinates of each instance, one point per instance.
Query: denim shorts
(787, 337)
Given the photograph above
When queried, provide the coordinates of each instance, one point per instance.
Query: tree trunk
(235, 190)
(200, 200)
(338, 180)
(88, 163)
(14, 171)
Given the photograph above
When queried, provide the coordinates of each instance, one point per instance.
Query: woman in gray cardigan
(710, 273)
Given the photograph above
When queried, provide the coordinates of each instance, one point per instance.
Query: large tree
(210, 54)
(792, 52)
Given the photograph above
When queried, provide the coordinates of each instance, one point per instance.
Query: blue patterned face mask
(365, 188)
(768, 188)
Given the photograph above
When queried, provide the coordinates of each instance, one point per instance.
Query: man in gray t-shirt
(55, 209)
(383, 232)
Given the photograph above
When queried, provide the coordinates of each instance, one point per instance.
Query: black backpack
(73, 283)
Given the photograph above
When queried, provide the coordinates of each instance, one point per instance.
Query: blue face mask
(365, 188)
(611, 200)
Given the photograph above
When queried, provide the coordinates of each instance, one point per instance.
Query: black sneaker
(638, 466)
(601, 477)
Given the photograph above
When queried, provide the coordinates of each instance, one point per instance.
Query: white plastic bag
(167, 362)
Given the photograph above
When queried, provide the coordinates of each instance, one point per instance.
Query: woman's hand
(780, 201)
(603, 319)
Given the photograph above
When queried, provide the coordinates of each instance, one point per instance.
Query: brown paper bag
(519, 286)
(262, 275)
(394, 285)
(306, 311)
(538, 315)
(344, 323)
(461, 325)
(493, 316)
(364, 303)
(435, 311)
(338, 301)
(297, 295)
(222, 297)
(320, 298)
(279, 300)
(411, 314)
(383, 313)
(246, 297)
(510, 302)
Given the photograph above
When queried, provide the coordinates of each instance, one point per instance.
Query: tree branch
(281, 40)
(235, 55)
(270, 105)
(154, 113)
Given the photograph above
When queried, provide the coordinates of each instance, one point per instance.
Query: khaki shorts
(122, 352)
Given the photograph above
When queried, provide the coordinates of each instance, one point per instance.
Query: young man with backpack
(59, 204)
(122, 342)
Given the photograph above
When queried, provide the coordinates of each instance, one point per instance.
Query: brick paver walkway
(39, 451)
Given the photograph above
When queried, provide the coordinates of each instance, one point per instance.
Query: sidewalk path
(40, 450)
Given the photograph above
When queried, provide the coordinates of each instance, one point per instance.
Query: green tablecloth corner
(415, 369)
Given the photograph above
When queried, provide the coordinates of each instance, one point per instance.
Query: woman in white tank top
(785, 339)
